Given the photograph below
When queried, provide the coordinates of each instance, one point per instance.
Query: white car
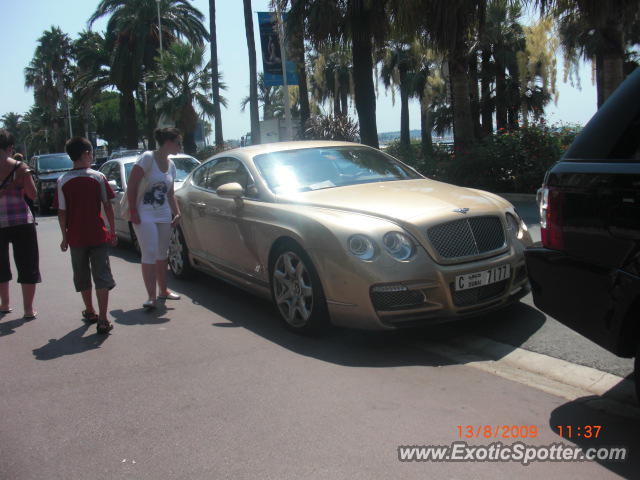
(117, 172)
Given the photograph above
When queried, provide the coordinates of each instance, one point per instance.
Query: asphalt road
(212, 386)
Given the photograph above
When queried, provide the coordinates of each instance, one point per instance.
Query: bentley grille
(467, 237)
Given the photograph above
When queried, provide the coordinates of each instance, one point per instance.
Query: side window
(225, 170)
(113, 173)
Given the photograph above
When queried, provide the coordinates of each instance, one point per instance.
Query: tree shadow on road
(345, 346)
(7, 328)
(72, 343)
(617, 429)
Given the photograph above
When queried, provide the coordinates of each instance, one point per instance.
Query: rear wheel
(296, 290)
(637, 373)
(179, 255)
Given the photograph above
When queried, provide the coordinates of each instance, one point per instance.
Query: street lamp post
(159, 25)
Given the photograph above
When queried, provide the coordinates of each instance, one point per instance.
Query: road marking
(558, 377)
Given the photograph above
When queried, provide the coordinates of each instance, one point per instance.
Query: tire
(179, 255)
(296, 290)
(134, 240)
(636, 373)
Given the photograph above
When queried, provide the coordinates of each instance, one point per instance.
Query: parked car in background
(125, 153)
(47, 169)
(343, 233)
(586, 273)
(117, 172)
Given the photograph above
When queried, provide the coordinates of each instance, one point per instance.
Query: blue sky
(32, 17)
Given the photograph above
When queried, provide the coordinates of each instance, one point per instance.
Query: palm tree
(295, 33)
(449, 26)
(253, 83)
(217, 114)
(48, 74)
(398, 69)
(361, 24)
(181, 80)
(608, 21)
(266, 98)
(332, 77)
(11, 123)
(133, 37)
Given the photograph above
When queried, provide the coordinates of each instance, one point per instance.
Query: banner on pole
(271, 56)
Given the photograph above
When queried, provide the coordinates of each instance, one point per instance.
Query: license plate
(479, 279)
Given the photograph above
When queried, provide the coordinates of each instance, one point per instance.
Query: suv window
(224, 170)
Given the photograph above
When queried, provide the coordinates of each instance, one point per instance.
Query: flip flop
(3, 312)
(30, 317)
(89, 317)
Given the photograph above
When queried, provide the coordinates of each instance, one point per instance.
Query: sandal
(6, 310)
(30, 316)
(89, 317)
(104, 326)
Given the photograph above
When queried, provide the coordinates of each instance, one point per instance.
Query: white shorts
(154, 240)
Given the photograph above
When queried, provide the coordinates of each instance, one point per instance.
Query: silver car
(117, 172)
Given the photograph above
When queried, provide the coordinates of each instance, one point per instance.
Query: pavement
(212, 386)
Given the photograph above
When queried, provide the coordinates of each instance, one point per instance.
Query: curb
(552, 375)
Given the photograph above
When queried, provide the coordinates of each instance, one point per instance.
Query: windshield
(48, 163)
(184, 165)
(317, 168)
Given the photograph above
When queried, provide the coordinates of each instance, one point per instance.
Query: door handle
(198, 204)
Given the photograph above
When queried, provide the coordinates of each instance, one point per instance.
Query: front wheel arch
(318, 320)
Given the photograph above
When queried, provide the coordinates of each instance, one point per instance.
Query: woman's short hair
(6, 139)
(168, 133)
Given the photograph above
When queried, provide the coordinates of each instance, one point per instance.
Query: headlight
(399, 245)
(516, 225)
(362, 247)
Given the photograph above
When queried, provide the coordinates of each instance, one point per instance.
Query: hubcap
(176, 248)
(292, 289)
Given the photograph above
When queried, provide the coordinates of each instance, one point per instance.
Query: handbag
(124, 201)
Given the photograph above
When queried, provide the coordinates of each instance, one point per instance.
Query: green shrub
(331, 127)
(506, 161)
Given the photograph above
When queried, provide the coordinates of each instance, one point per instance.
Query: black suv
(47, 169)
(586, 273)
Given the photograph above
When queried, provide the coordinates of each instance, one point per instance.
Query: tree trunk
(215, 86)
(613, 57)
(128, 118)
(336, 103)
(474, 94)
(600, 79)
(485, 92)
(501, 97)
(426, 127)
(253, 80)
(405, 137)
(151, 118)
(514, 96)
(297, 47)
(462, 124)
(344, 101)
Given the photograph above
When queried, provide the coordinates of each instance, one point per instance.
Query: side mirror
(230, 190)
(114, 186)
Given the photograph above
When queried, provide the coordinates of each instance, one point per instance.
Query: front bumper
(429, 298)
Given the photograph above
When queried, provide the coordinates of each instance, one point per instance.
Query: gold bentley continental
(341, 233)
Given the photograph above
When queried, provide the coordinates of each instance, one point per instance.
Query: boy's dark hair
(163, 134)
(6, 139)
(76, 146)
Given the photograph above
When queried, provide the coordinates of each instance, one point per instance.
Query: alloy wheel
(176, 252)
(293, 289)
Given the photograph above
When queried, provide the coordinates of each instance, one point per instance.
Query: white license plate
(487, 277)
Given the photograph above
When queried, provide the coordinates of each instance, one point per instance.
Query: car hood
(51, 176)
(406, 200)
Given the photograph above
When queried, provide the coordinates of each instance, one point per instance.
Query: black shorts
(90, 262)
(25, 253)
